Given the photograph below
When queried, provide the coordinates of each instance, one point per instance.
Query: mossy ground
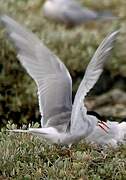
(26, 157)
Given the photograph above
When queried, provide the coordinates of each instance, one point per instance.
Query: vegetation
(26, 157)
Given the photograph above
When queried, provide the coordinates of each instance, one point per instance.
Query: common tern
(71, 13)
(61, 122)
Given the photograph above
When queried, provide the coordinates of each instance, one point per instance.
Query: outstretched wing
(50, 74)
(93, 71)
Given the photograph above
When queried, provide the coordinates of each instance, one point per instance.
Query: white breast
(53, 10)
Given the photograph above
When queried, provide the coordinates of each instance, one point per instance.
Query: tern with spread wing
(71, 13)
(61, 122)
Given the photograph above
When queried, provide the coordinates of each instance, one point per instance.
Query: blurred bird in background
(71, 13)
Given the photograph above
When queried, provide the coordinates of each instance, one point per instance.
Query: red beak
(103, 125)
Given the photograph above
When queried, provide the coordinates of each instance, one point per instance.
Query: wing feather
(93, 71)
(50, 74)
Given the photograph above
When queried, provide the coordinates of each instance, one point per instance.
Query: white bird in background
(72, 13)
(61, 122)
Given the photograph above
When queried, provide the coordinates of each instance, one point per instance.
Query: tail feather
(30, 130)
(106, 16)
(43, 131)
(18, 131)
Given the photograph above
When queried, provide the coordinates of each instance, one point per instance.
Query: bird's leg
(66, 151)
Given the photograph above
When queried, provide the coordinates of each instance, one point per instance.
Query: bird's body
(115, 134)
(62, 122)
(71, 12)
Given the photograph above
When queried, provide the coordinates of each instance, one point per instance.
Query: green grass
(26, 157)
(23, 156)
